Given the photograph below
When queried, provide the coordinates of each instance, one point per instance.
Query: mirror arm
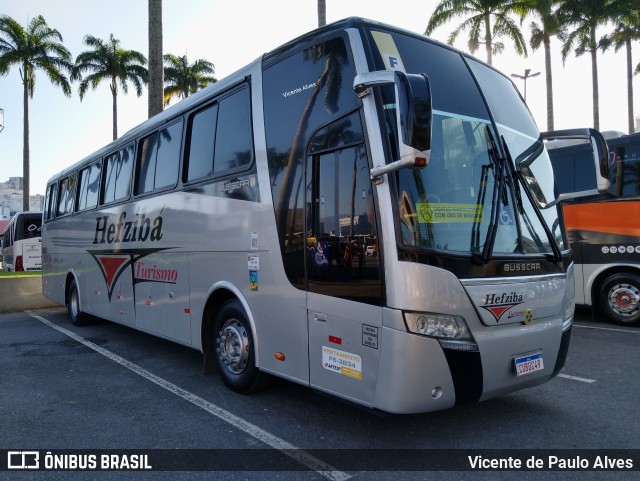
(391, 167)
(410, 157)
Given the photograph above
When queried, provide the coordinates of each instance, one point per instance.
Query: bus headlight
(569, 312)
(437, 325)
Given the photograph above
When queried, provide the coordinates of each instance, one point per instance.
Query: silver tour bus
(363, 211)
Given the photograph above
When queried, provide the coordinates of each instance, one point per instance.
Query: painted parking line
(576, 378)
(256, 432)
(614, 329)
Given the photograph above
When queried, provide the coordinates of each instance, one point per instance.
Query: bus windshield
(469, 200)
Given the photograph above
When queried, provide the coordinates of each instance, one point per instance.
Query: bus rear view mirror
(561, 143)
(413, 115)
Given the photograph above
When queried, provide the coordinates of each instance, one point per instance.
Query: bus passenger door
(344, 295)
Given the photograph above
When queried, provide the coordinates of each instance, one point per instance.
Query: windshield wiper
(499, 193)
(482, 193)
(520, 180)
(515, 187)
(513, 177)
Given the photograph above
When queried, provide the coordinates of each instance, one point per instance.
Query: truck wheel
(235, 350)
(620, 298)
(78, 318)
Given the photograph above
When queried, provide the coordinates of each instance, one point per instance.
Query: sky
(64, 130)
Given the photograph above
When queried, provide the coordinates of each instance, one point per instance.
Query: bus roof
(238, 76)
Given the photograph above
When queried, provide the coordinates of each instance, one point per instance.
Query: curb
(22, 293)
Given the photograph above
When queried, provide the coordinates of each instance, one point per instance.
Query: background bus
(284, 221)
(22, 243)
(603, 229)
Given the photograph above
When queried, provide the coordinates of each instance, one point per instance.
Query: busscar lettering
(522, 267)
(141, 229)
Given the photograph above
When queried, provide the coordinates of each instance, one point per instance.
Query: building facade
(11, 194)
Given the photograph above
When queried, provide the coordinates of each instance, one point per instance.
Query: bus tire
(235, 350)
(78, 318)
(620, 298)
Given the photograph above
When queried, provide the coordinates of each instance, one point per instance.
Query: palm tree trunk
(629, 86)
(549, 78)
(114, 94)
(322, 13)
(594, 79)
(156, 70)
(26, 178)
(487, 38)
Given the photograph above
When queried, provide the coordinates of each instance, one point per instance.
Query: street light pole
(527, 74)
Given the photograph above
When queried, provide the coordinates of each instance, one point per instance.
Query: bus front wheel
(235, 350)
(620, 298)
(78, 318)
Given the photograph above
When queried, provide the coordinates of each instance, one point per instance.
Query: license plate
(528, 364)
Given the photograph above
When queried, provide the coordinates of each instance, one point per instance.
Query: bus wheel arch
(72, 301)
(216, 299)
(228, 341)
(618, 295)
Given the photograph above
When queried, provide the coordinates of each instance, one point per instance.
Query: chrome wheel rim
(624, 299)
(232, 346)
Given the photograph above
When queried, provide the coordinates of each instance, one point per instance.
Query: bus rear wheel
(235, 350)
(620, 298)
(78, 318)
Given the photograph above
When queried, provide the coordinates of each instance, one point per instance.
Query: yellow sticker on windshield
(388, 51)
(429, 213)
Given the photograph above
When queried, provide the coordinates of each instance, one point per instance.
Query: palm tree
(478, 15)
(36, 47)
(156, 72)
(541, 34)
(183, 79)
(627, 30)
(109, 61)
(585, 16)
(322, 13)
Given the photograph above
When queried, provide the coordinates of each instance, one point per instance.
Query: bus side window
(66, 196)
(159, 158)
(50, 202)
(233, 149)
(117, 176)
(147, 164)
(109, 187)
(88, 184)
(199, 161)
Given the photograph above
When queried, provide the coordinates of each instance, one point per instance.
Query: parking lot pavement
(106, 386)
